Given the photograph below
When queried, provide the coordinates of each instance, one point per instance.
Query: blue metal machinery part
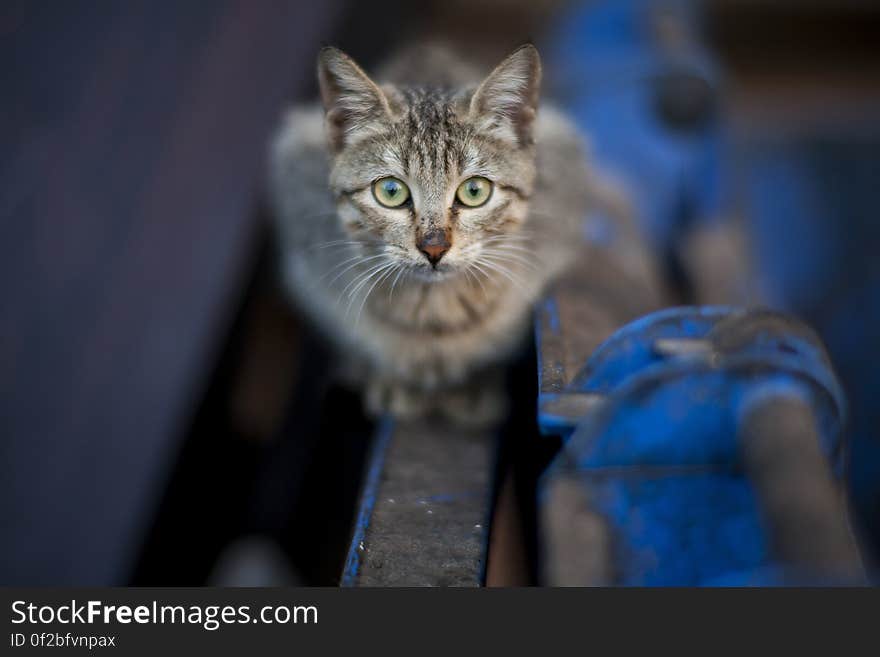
(807, 187)
(658, 460)
(811, 198)
(646, 96)
(673, 342)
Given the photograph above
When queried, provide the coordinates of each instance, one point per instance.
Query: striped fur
(429, 337)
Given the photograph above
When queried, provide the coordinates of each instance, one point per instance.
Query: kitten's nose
(434, 246)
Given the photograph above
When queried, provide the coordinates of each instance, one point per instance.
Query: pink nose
(434, 246)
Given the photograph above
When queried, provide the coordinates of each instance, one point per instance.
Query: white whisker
(486, 274)
(472, 276)
(509, 247)
(334, 243)
(509, 258)
(340, 264)
(360, 261)
(356, 280)
(504, 272)
(356, 283)
(390, 270)
(373, 273)
(403, 268)
(506, 238)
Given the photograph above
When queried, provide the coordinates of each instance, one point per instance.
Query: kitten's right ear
(353, 103)
(506, 102)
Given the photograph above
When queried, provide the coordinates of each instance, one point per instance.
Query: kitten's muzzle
(434, 245)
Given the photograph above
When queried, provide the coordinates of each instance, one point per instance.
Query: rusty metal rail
(423, 518)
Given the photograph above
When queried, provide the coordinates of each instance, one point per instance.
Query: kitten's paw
(403, 403)
(474, 406)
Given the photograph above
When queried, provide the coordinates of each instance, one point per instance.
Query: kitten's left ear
(506, 103)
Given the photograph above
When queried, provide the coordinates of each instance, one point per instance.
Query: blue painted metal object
(673, 347)
(646, 97)
(659, 455)
(806, 189)
(811, 200)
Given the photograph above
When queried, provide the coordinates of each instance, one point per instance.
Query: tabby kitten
(419, 224)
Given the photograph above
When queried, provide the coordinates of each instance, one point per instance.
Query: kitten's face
(436, 180)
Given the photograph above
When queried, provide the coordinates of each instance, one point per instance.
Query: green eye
(390, 192)
(475, 191)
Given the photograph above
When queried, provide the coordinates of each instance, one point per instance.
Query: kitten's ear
(353, 103)
(507, 101)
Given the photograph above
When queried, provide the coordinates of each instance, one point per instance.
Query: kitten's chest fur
(421, 332)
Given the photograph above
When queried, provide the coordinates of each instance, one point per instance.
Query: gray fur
(427, 335)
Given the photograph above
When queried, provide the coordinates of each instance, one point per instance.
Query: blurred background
(158, 401)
